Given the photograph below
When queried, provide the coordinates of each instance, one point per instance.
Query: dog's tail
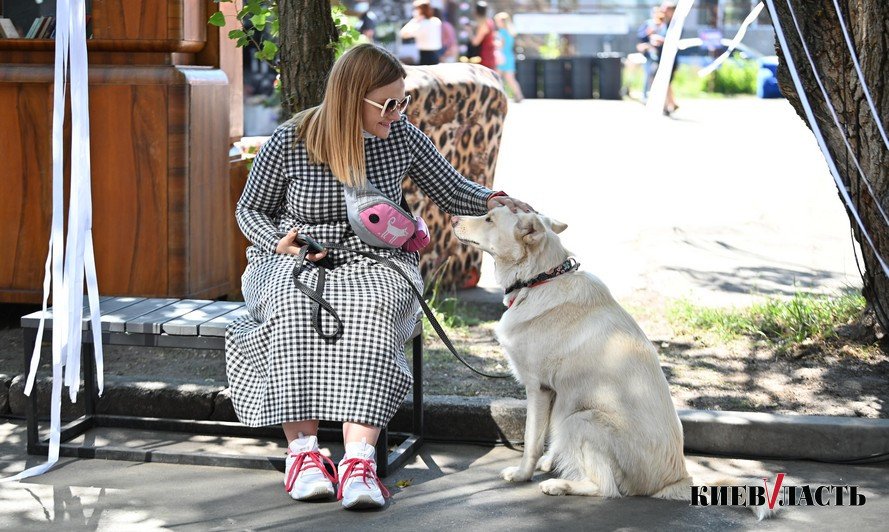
(681, 491)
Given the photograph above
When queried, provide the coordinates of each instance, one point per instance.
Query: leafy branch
(260, 25)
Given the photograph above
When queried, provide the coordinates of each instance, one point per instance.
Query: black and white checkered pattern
(278, 367)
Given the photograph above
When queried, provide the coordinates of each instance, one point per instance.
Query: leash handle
(319, 303)
(317, 297)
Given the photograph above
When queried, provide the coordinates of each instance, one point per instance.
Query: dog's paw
(515, 474)
(545, 463)
(554, 486)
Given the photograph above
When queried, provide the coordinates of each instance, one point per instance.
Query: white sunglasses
(391, 104)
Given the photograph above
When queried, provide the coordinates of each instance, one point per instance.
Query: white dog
(592, 377)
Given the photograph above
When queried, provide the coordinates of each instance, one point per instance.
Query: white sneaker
(305, 476)
(359, 485)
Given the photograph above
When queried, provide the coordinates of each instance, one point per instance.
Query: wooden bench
(194, 324)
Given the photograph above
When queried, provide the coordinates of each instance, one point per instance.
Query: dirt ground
(841, 377)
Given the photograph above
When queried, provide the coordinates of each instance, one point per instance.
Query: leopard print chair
(461, 108)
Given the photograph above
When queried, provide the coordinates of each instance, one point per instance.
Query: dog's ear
(532, 230)
(557, 226)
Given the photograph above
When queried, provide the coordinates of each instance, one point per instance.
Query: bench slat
(106, 304)
(216, 326)
(153, 321)
(117, 321)
(188, 324)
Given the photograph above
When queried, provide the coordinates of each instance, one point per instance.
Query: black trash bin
(582, 69)
(610, 71)
(526, 75)
(556, 78)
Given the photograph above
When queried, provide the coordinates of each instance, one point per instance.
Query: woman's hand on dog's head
(290, 246)
(513, 204)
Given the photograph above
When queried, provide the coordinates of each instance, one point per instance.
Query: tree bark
(306, 56)
(868, 26)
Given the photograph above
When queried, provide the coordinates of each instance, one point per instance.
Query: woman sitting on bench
(280, 369)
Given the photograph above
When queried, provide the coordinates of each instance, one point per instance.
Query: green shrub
(735, 77)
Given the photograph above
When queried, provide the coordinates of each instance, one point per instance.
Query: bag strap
(318, 301)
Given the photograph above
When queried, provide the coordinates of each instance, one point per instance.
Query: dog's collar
(568, 266)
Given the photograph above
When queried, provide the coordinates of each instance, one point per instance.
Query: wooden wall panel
(131, 19)
(209, 240)
(157, 25)
(160, 180)
(129, 188)
(26, 180)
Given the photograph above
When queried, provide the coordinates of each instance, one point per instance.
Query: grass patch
(782, 323)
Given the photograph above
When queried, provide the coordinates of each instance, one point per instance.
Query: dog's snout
(454, 221)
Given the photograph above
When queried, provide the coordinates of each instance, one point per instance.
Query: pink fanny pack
(380, 222)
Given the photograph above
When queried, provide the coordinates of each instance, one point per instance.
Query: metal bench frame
(411, 442)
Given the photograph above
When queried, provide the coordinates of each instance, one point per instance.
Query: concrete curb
(501, 420)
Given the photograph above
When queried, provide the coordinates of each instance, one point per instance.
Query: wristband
(495, 194)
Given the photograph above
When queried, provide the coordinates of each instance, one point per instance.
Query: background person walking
(506, 58)
(425, 27)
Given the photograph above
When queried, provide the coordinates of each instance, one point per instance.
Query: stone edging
(500, 420)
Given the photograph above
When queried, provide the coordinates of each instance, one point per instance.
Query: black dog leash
(318, 302)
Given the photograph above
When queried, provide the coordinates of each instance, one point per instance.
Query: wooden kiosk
(165, 104)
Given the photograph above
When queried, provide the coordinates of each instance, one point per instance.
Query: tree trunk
(306, 33)
(868, 26)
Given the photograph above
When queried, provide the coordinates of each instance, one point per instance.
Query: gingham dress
(278, 367)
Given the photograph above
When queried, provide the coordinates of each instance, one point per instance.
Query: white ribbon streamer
(657, 96)
(735, 42)
(65, 271)
(810, 116)
(870, 101)
(835, 117)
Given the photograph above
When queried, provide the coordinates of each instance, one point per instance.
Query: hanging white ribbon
(810, 116)
(735, 41)
(657, 96)
(836, 119)
(870, 101)
(65, 271)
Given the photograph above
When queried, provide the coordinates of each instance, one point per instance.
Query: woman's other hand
(289, 245)
(513, 204)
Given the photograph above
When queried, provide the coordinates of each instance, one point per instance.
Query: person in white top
(425, 28)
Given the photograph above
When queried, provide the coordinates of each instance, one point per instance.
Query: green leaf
(269, 50)
(217, 19)
(259, 21)
(255, 7)
(236, 34)
(404, 482)
(275, 28)
(243, 41)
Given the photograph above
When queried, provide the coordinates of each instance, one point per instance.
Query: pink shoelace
(315, 459)
(364, 468)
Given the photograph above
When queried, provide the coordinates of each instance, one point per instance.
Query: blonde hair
(332, 131)
(504, 18)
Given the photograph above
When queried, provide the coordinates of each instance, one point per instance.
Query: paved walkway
(730, 201)
(452, 487)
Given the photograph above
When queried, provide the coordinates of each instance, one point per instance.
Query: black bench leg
(29, 340)
(382, 449)
(417, 353)
(91, 385)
